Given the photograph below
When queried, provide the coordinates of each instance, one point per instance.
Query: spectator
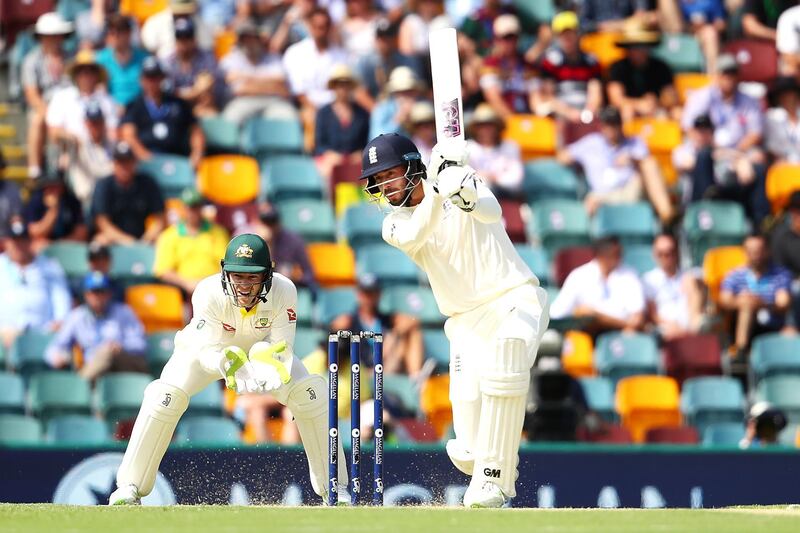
(760, 17)
(375, 67)
(110, 336)
(99, 259)
(674, 296)
(391, 113)
(10, 199)
(121, 60)
(158, 31)
(189, 251)
(217, 14)
(758, 294)
(122, 202)
(403, 351)
(479, 27)
(496, 160)
(641, 85)
(764, 423)
(782, 124)
(54, 213)
(44, 70)
(570, 86)
(256, 79)
(506, 77)
(606, 293)
(422, 126)
(357, 28)
(694, 160)
(617, 168)
(90, 159)
(612, 15)
(786, 249)
(157, 122)
(706, 20)
(293, 27)
(428, 15)
(787, 41)
(341, 127)
(33, 288)
(188, 62)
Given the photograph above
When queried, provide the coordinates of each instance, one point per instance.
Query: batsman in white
(449, 223)
(242, 331)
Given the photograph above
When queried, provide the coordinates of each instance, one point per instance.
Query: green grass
(196, 519)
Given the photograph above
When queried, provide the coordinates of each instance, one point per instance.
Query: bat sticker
(452, 116)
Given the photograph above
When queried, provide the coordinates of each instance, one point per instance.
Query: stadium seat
(672, 435)
(414, 430)
(346, 173)
(362, 224)
(603, 45)
(390, 265)
(547, 178)
(27, 352)
(575, 131)
(639, 257)
(173, 173)
(412, 300)
(723, 434)
(71, 255)
(775, 354)
(558, 223)
(782, 392)
(233, 217)
(711, 400)
(207, 402)
(437, 349)
(333, 264)
(692, 356)
(222, 136)
(12, 393)
(686, 82)
(224, 42)
(304, 307)
(208, 430)
(537, 261)
(78, 430)
(757, 58)
(132, 262)
(568, 259)
(618, 355)
(605, 434)
(645, 402)
(512, 219)
(307, 340)
(435, 403)
(401, 392)
(577, 354)
(782, 180)
(536, 136)
(160, 346)
(159, 307)
(53, 393)
(19, 430)
(141, 10)
(539, 11)
(119, 395)
(23, 13)
(633, 223)
(228, 179)
(269, 136)
(312, 219)
(599, 393)
(708, 224)
(289, 177)
(332, 303)
(681, 52)
(717, 263)
(661, 135)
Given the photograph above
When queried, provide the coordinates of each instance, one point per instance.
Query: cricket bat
(446, 74)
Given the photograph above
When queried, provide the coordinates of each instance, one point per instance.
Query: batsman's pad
(504, 388)
(308, 401)
(162, 407)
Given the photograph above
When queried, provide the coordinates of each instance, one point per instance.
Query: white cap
(402, 79)
(52, 24)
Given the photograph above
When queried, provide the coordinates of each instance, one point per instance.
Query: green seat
(547, 178)
(708, 224)
(289, 177)
(132, 263)
(304, 307)
(12, 393)
(773, 354)
(160, 346)
(681, 52)
(618, 355)
(414, 300)
(72, 256)
(558, 223)
(307, 340)
(541, 11)
(783, 392)
(332, 303)
(19, 430)
(54, 393)
(119, 395)
(208, 431)
(207, 402)
(633, 223)
(312, 219)
(599, 394)
(399, 389)
(269, 136)
(537, 261)
(173, 173)
(362, 224)
(78, 430)
(222, 136)
(437, 348)
(27, 352)
(711, 400)
(390, 265)
(723, 434)
(639, 257)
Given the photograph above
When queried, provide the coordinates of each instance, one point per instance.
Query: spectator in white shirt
(782, 125)
(158, 31)
(357, 29)
(496, 160)
(787, 41)
(603, 291)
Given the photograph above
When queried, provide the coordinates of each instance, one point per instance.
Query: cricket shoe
(127, 495)
(343, 497)
(486, 496)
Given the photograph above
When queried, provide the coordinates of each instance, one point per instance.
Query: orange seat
(224, 43)
(228, 179)
(434, 402)
(141, 10)
(716, 265)
(645, 402)
(333, 264)
(661, 135)
(782, 180)
(603, 46)
(536, 136)
(577, 354)
(686, 82)
(159, 307)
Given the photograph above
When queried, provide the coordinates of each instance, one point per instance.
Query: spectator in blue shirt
(758, 293)
(109, 335)
(122, 60)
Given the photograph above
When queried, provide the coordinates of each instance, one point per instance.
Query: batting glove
(446, 153)
(458, 184)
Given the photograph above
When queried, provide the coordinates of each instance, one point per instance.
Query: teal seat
(222, 136)
(289, 177)
(711, 400)
(70, 9)
(208, 431)
(775, 354)
(270, 136)
(723, 434)
(783, 392)
(132, 263)
(633, 223)
(12, 393)
(414, 300)
(619, 355)
(160, 346)
(599, 394)
(537, 261)
(362, 225)
(305, 306)
(388, 264)
(332, 303)
(312, 219)
(307, 340)
(437, 348)
(119, 395)
(19, 430)
(708, 224)
(639, 257)
(541, 11)
(558, 223)
(72, 256)
(207, 402)
(27, 352)
(173, 173)
(399, 389)
(547, 178)
(681, 52)
(78, 430)
(55, 393)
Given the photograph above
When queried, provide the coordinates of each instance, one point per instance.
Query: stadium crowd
(646, 155)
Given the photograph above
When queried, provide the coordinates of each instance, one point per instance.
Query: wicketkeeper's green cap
(247, 253)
